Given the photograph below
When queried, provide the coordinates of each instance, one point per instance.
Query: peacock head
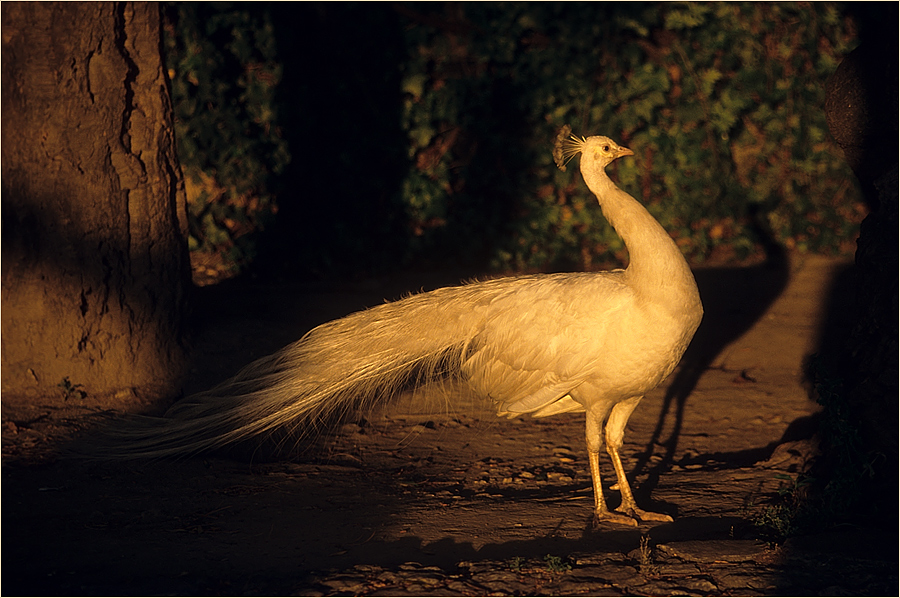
(596, 152)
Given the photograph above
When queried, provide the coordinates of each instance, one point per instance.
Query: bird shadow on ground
(734, 299)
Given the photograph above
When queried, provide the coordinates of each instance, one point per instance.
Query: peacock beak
(624, 151)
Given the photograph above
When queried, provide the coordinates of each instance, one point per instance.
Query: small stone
(699, 585)
(710, 551)
(678, 569)
(613, 573)
(348, 584)
(575, 587)
(494, 576)
(744, 581)
(462, 587)
(350, 429)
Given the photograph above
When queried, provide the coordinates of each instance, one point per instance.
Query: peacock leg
(594, 425)
(615, 434)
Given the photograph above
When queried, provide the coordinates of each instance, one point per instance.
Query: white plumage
(541, 344)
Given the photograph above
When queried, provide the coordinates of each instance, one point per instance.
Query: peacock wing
(543, 338)
(564, 404)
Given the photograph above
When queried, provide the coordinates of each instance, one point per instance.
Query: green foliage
(71, 391)
(722, 103)
(515, 564)
(557, 564)
(789, 513)
(224, 70)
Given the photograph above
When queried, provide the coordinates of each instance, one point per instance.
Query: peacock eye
(605, 148)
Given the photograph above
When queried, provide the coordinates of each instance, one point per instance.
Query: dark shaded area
(200, 563)
(861, 102)
(855, 372)
(212, 527)
(340, 101)
(340, 209)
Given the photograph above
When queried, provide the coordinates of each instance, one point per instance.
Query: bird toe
(643, 515)
(614, 517)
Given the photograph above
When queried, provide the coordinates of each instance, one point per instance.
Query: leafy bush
(224, 70)
(723, 104)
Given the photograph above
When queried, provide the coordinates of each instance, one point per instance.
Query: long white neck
(656, 267)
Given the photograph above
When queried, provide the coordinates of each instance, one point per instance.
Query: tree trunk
(861, 108)
(95, 263)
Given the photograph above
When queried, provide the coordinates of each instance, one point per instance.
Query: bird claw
(643, 516)
(614, 517)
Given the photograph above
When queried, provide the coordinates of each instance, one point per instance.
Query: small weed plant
(788, 512)
(515, 564)
(646, 566)
(557, 564)
(71, 391)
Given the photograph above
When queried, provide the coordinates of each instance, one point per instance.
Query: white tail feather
(350, 363)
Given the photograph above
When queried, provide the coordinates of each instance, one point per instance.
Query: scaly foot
(645, 515)
(614, 517)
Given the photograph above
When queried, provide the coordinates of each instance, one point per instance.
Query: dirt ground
(435, 495)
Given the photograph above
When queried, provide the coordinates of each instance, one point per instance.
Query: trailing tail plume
(540, 344)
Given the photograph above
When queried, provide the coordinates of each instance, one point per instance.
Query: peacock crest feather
(566, 147)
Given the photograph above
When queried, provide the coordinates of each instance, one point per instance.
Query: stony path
(437, 496)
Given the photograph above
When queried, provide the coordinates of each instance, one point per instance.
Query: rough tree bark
(95, 263)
